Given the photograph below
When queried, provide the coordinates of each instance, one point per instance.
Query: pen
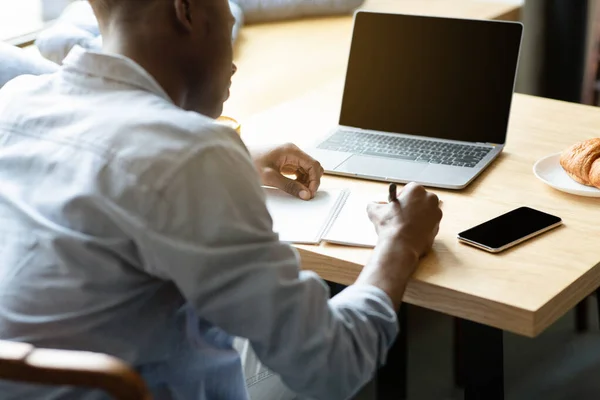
(393, 196)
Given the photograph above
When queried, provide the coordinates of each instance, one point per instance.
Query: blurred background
(559, 58)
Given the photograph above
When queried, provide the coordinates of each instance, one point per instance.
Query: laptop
(426, 99)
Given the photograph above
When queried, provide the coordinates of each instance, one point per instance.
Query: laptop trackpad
(382, 168)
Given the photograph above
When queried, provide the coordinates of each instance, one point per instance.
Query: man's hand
(406, 229)
(413, 220)
(274, 163)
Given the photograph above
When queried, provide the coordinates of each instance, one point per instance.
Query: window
(22, 17)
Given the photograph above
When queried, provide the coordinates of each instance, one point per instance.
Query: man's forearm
(390, 269)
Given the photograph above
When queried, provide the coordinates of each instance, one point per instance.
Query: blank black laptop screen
(433, 77)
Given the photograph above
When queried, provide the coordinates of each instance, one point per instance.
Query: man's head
(185, 44)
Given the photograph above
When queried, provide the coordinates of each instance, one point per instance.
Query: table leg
(483, 357)
(335, 288)
(598, 304)
(392, 377)
(581, 316)
(457, 356)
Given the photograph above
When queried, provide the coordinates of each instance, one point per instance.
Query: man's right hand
(412, 221)
(406, 229)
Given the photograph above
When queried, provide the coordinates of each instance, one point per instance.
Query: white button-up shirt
(131, 227)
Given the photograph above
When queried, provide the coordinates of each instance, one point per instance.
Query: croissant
(582, 162)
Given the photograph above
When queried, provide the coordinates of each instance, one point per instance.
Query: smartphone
(509, 229)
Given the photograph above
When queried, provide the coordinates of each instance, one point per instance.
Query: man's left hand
(274, 164)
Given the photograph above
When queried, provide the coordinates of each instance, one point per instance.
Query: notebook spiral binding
(334, 214)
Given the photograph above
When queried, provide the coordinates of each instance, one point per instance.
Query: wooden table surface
(301, 65)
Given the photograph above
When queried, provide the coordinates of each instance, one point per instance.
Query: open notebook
(334, 216)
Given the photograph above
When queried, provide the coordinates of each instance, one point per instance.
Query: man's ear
(183, 11)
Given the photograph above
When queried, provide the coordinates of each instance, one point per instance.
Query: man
(132, 224)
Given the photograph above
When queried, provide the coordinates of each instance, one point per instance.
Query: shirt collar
(113, 66)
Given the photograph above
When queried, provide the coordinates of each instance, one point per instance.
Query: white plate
(549, 171)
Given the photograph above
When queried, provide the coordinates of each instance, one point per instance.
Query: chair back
(22, 362)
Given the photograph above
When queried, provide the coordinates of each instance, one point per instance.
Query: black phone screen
(509, 227)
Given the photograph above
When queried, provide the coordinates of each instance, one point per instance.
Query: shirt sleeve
(213, 237)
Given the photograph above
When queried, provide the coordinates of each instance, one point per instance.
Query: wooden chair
(21, 362)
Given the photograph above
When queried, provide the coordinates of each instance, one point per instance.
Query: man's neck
(152, 59)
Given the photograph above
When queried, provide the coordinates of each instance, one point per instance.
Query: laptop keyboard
(403, 148)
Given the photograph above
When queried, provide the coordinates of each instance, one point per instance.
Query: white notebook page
(299, 221)
(352, 226)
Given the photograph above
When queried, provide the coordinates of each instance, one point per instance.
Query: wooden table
(289, 88)
(523, 290)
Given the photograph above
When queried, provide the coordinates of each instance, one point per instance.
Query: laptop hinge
(488, 144)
